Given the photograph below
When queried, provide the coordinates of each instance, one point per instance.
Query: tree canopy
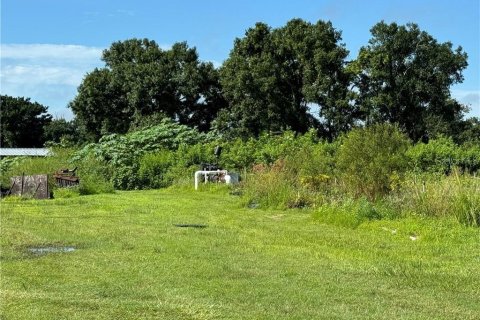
(404, 76)
(22, 122)
(294, 77)
(273, 75)
(140, 79)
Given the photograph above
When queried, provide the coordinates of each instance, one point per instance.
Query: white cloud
(50, 52)
(20, 75)
(46, 73)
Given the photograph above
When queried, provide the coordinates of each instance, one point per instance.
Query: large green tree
(272, 77)
(140, 80)
(252, 79)
(318, 60)
(22, 122)
(101, 105)
(404, 76)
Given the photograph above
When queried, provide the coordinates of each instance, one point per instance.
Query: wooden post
(21, 189)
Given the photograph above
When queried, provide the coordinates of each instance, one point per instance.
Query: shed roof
(30, 152)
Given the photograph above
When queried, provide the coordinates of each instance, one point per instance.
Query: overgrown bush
(272, 186)
(154, 167)
(121, 154)
(469, 158)
(442, 155)
(438, 155)
(372, 160)
(302, 177)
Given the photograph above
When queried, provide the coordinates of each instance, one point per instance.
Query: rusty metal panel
(66, 178)
(35, 186)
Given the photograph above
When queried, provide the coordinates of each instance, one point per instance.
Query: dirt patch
(50, 249)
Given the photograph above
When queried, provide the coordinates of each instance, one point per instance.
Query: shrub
(438, 155)
(371, 160)
(121, 154)
(93, 175)
(154, 168)
(239, 154)
(469, 158)
(92, 185)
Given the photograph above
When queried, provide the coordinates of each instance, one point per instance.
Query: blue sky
(48, 46)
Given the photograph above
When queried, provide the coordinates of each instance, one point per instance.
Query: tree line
(296, 77)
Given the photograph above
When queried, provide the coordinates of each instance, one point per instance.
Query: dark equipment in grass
(217, 152)
(213, 166)
(4, 191)
(66, 178)
(190, 225)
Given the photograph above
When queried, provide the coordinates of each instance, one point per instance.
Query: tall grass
(271, 186)
(366, 176)
(456, 195)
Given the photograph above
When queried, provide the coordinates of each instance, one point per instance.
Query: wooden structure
(35, 186)
(66, 178)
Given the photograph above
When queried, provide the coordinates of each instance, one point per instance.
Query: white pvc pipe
(206, 173)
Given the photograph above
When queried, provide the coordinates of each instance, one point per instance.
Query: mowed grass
(132, 262)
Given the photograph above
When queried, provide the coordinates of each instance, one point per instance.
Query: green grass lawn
(132, 262)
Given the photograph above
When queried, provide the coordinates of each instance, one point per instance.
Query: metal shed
(29, 152)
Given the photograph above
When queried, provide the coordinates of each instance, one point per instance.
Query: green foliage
(272, 75)
(438, 155)
(61, 132)
(371, 160)
(290, 172)
(404, 75)
(121, 154)
(467, 206)
(64, 193)
(35, 165)
(469, 157)
(142, 80)
(153, 169)
(93, 184)
(95, 175)
(271, 187)
(22, 122)
(6, 165)
(442, 155)
(469, 132)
